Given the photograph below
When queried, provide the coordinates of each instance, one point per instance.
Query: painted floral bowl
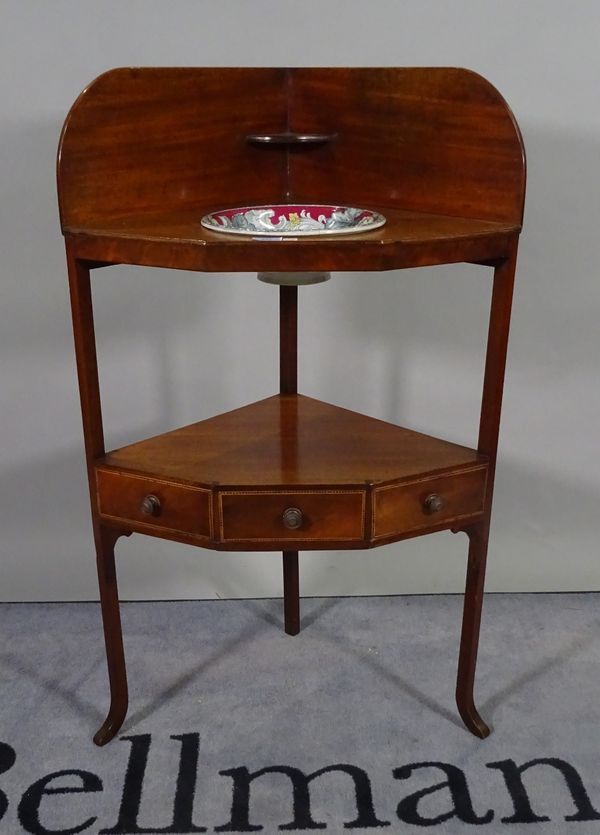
(292, 220)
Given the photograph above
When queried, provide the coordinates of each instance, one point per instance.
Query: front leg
(469, 642)
(491, 404)
(113, 636)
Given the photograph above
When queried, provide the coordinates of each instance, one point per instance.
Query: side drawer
(175, 507)
(260, 516)
(428, 502)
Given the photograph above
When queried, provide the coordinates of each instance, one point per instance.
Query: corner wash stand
(144, 154)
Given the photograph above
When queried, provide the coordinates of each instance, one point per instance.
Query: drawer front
(428, 502)
(168, 505)
(263, 516)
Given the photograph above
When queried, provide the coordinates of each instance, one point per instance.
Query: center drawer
(303, 515)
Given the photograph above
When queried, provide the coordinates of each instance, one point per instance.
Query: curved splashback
(162, 140)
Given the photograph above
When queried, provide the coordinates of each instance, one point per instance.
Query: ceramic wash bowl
(292, 220)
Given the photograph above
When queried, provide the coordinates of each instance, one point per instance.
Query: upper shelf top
(145, 152)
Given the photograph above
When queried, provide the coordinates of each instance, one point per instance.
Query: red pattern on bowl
(293, 219)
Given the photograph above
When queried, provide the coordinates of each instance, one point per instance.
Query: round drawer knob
(433, 503)
(150, 505)
(292, 518)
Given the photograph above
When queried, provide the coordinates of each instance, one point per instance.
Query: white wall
(406, 347)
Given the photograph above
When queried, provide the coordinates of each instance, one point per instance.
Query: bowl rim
(379, 220)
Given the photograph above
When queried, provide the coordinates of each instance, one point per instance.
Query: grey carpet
(368, 684)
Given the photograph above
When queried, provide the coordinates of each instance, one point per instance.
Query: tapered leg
(489, 425)
(469, 642)
(113, 638)
(291, 592)
(104, 538)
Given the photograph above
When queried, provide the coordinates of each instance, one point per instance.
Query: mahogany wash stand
(143, 155)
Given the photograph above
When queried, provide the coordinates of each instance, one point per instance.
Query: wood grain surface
(146, 152)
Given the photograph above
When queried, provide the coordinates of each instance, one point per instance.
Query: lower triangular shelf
(230, 479)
